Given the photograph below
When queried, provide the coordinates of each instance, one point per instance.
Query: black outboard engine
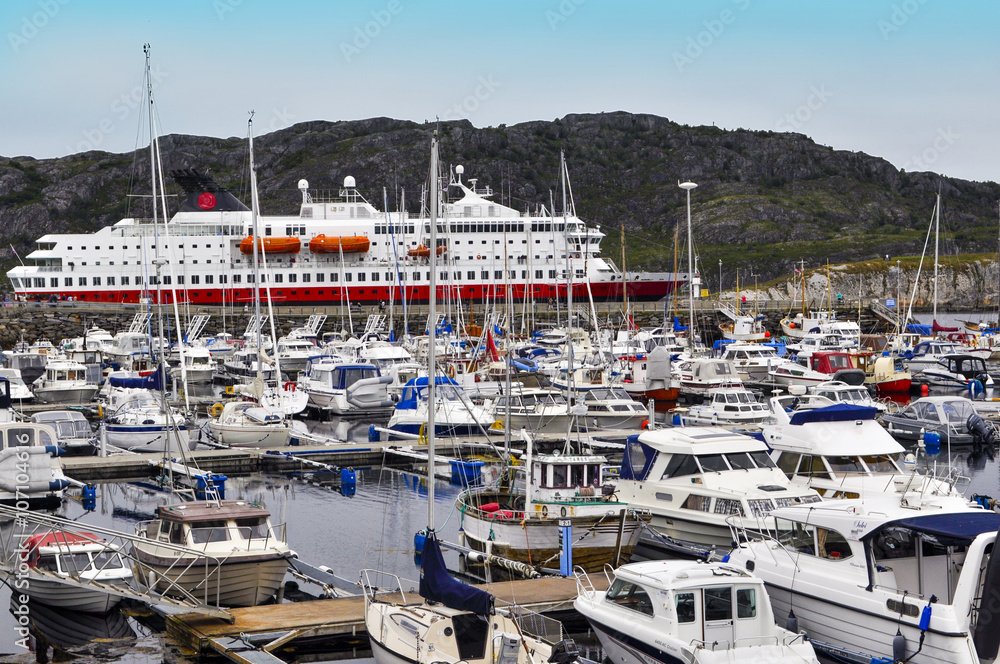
(564, 652)
(982, 433)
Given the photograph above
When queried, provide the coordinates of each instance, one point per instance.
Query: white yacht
(19, 392)
(199, 365)
(612, 408)
(838, 391)
(693, 479)
(248, 424)
(701, 374)
(454, 414)
(135, 420)
(877, 579)
(751, 361)
(346, 388)
(727, 407)
(678, 611)
(841, 451)
(536, 409)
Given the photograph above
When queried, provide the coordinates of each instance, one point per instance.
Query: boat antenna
(431, 332)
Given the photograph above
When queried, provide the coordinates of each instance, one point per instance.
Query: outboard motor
(982, 433)
(564, 652)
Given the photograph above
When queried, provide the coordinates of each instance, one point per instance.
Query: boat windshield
(252, 528)
(957, 411)
(845, 464)
(74, 562)
(210, 531)
(107, 560)
(881, 463)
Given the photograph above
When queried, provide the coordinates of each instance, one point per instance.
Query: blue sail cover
(924, 330)
(416, 388)
(153, 381)
(637, 460)
(437, 585)
(841, 412)
(678, 327)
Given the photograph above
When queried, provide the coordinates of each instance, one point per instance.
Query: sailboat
(255, 423)
(454, 622)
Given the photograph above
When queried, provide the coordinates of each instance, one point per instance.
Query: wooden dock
(345, 616)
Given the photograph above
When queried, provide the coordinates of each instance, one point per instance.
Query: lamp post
(687, 187)
(720, 278)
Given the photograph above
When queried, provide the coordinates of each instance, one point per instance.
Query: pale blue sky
(913, 81)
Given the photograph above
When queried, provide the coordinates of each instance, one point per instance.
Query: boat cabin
(337, 376)
(201, 524)
(78, 555)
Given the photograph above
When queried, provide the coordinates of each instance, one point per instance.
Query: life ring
(215, 410)
(230, 389)
(545, 512)
(451, 371)
(562, 511)
(100, 412)
(645, 425)
(479, 257)
(289, 386)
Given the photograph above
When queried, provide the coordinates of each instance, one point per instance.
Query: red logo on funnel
(206, 201)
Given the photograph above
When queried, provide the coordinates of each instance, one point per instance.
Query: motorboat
(670, 611)
(342, 388)
(293, 354)
(692, 479)
(536, 409)
(66, 629)
(801, 324)
(248, 362)
(728, 407)
(19, 391)
(651, 377)
(73, 432)
(612, 408)
(841, 451)
(520, 519)
(82, 557)
(199, 365)
(838, 391)
(878, 580)
(698, 376)
(454, 414)
(815, 342)
(927, 353)
(956, 370)
(249, 424)
(889, 376)
(235, 556)
(954, 418)
(819, 367)
(751, 361)
(64, 382)
(28, 467)
(136, 420)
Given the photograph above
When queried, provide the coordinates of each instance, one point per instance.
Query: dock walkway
(345, 616)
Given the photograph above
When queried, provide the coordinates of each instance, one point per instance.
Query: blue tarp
(955, 529)
(437, 585)
(151, 382)
(841, 412)
(637, 460)
(924, 330)
(677, 325)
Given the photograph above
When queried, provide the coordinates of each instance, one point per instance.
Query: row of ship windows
(196, 280)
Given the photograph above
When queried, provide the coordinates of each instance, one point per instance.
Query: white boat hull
(81, 394)
(66, 596)
(250, 436)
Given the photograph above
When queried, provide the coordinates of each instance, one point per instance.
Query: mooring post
(566, 538)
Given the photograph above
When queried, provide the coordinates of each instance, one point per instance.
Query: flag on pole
(491, 347)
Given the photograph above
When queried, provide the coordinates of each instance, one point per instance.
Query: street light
(720, 278)
(688, 186)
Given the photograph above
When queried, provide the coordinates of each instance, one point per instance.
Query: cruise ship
(338, 250)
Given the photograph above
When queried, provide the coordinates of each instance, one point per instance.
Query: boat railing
(583, 583)
(534, 624)
(258, 538)
(186, 560)
(375, 583)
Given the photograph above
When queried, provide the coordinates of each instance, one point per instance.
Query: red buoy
(924, 390)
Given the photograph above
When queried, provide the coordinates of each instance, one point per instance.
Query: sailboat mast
(937, 233)
(432, 345)
(569, 303)
(257, 241)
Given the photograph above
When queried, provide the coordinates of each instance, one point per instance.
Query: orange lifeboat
(352, 244)
(423, 252)
(272, 245)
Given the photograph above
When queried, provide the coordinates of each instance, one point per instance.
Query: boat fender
(925, 615)
(932, 443)
(289, 386)
(100, 411)
(792, 623)
(58, 485)
(419, 538)
(347, 477)
(373, 436)
(899, 647)
(54, 450)
(215, 410)
(645, 425)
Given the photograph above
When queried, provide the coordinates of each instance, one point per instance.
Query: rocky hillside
(765, 200)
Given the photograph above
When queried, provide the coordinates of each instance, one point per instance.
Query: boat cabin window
(761, 459)
(844, 464)
(788, 462)
(697, 503)
(812, 466)
(740, 461)
(680, 465)
(177, 534)
(831, 544)
(881, 463)
(894, 543)
(107, 560)
(252, 527)
(684, 605)
(18, 437)
(637, 455)
(718, 603)
(746, 603)
(713, 463)
(74, 562)
(630, 596)
(558, 475)
(210, 531)
(796, 536)
(47, 562)
(577, 475)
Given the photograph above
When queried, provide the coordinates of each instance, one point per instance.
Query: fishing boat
(678, 611)
(520, 519)
(877, 579)
(243, 557)
(81, 556)
(64, 382)
(889, 376)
